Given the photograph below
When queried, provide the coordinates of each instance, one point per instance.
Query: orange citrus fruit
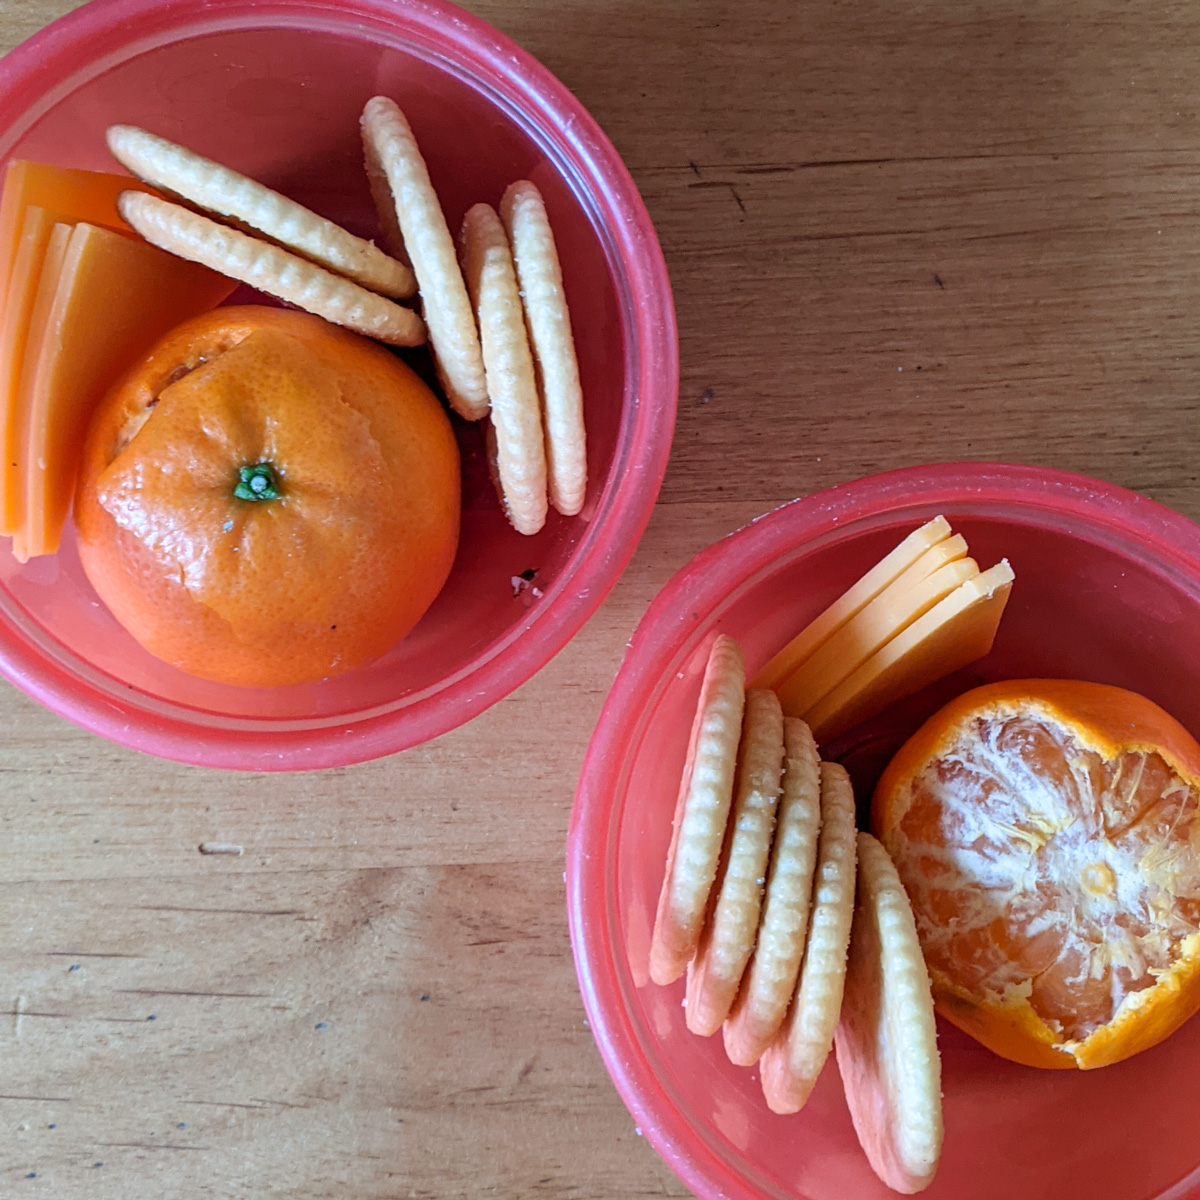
(1048, 836)
(268, 499)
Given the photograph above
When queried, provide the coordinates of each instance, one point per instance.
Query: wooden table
(898, 232)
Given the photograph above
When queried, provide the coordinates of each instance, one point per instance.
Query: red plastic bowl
(1107, 588)
(275, 88)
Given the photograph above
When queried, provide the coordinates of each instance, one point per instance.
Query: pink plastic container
(1108, 589)
(275, 88)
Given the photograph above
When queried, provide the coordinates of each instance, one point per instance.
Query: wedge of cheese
(885, 572)
(112, 298)
(950, 635)
(930, 579)
(14, 333)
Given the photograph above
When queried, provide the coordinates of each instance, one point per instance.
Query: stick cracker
(540, 274)
(390, 148)
(223, 191)
(512, 387)
(270, 269)
(886, 1040)
(701, 812)
(791, 1065)
(728, 939)
(770, 980)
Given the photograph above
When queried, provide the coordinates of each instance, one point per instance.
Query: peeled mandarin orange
(1048, 835)
(267, 499)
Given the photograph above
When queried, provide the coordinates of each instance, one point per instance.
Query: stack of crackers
(494, 313)
(758, 905)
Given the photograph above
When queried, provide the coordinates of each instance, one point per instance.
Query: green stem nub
(257, 483)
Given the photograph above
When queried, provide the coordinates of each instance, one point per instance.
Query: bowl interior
(282, 104)
(1087, 604)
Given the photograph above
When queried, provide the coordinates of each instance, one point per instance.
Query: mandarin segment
(791, 1065)
(771, 978)
(886, 1038)
(728, 938)
(701, 812)
(1048, 833)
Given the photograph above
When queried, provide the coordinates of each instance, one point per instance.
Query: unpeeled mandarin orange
(267, 499)
(1048, 835)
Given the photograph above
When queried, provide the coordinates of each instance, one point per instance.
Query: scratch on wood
(731, 188)
(237, 912)
(171, 992)
(219, 848)
(40, 1099)
(224, 1104)
(18, 1013)
(87, 954)
(149, 1146)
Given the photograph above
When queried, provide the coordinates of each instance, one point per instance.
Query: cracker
(701, 812)
(887, 1039)
(728, 938)
(381, 198)
(512, 387)
(390, 148)
(218, 189)
(792, 1063)
(270, 269)
(540, 274)
(769, 983)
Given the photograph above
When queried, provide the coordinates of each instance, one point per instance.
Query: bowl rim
(104, 27)
(685, 603)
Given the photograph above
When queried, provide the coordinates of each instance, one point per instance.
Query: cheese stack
(80, 299)
(918, 615)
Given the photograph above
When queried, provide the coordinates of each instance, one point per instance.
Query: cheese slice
(68, 195)
(14, 332)
(39, 320)
(933, 576)
(950, 635)
(114, 298)
(886, 571)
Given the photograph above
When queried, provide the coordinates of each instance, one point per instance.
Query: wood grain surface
(898, 232)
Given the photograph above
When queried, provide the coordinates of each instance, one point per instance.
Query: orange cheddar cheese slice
(955, 632)
(67, 195)
(886, 571)
(39, 317)
(14, 331)
(113, 298)
(933, 576)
